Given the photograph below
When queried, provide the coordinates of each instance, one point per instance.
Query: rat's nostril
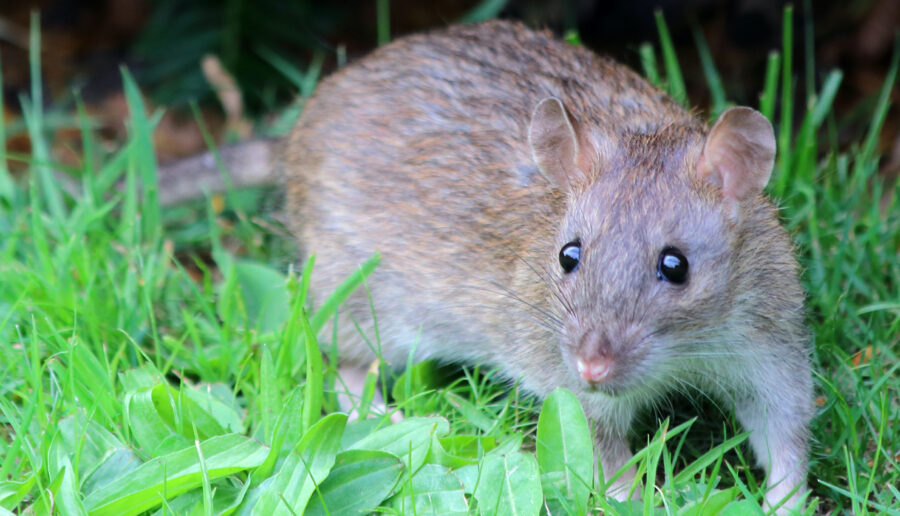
(594, 371)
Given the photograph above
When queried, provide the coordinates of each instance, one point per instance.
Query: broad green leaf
(83, 437)
(742, 508)
(713, 505)
(150, 430)
(45, 502)
(217, 400)
(183, 414)
(174, 474)
(509, 484)
(285, 434)
(228, 496)
(144, 377)
(115, 466)
(631, 508)
(555, 500)
(66, 496)
(565, 446)
(409, 439)
(434, 490)
(468, 476)
(511, 443)
(460, 450)
(359, 429)
(265, 295)
(289, 490)
(359, 482)
(163, 419)
(12, 492)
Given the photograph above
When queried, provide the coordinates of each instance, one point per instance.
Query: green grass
(137, 377)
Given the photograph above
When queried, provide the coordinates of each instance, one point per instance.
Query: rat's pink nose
(594, 371)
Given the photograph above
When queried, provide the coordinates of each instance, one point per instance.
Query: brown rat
(547, 212)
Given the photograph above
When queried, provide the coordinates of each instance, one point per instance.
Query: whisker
(550, 325)
(697, 388)
(546, 278)
(510, 294)
(513, 295)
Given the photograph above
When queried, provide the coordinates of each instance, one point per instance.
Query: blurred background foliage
(277, 49)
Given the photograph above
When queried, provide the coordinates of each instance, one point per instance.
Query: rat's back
(420, 152)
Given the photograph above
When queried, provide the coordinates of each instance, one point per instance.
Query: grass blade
(674, 78)
(6, 184)
(708, 458)
(787, 97)
(34, 118)
(312, 391)
(826, 97)
(342, 292)
(383, 20)
(716, 90)
(145, 158)
(881, 108)
(485, 10)
(770, 87)
(648, 63)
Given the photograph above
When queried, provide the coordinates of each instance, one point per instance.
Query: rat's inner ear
(739, 154)
(556, 143)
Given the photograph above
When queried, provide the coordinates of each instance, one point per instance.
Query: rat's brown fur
(421, 152)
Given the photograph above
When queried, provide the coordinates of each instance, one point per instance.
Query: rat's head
(642, 266)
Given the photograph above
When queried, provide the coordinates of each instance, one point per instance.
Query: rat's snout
(594, 358)
(593, 371)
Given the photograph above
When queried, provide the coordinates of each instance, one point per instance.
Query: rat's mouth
(603, 389)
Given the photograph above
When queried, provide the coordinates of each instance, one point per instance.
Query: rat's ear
(556, 144)
(738, 154)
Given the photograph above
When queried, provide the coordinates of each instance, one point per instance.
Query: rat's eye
(672, 266)
(569, 255)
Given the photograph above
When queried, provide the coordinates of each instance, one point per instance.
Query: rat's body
(450, 154)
